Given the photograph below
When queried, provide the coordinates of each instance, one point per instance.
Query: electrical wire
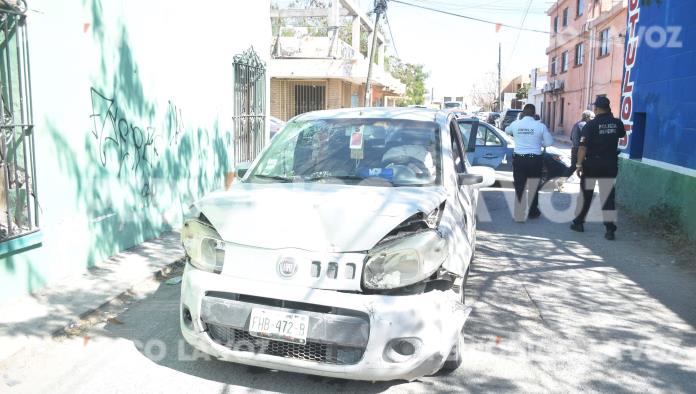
(391, 35)
(519, 32)
(468, 17)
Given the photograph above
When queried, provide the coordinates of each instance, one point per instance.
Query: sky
(457, 52)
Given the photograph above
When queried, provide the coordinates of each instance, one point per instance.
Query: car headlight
(404, 261)
(203, 245)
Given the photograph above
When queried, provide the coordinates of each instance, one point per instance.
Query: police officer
(598, 162)
(575, 140)
(527, 162)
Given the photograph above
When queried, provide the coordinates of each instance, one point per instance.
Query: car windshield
(512, 114)
(373, 152)
(452, 105)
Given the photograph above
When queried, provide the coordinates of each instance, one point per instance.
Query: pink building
(585, 59)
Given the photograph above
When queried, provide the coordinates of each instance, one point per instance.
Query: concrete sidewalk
(34, 317)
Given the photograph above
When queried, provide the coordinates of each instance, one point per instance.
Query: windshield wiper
(273, 177)
(339, 177)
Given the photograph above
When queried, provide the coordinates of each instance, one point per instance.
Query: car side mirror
(242, 168)
(486, 174)
(469, 179)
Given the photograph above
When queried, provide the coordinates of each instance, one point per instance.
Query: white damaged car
(342, 251)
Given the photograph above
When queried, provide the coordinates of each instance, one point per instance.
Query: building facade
(657, 177)
(128, 113)
(511, 90)
(585, 58)
(535, 94)
(325, 67)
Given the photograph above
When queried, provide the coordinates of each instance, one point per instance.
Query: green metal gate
(18, 202)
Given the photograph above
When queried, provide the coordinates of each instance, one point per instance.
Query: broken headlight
(204, 246)
(404, 261)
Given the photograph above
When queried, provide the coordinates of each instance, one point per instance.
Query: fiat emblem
(287, 267)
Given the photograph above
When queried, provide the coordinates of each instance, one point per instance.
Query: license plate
(279, 326)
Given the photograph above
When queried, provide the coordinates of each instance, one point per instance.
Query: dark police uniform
(600, 137)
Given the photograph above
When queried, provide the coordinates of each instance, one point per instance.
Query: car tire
(454, 360)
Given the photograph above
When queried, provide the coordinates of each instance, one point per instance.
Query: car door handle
(489, 156)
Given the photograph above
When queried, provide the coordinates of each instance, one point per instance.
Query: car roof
(472, 118)
(418, 114)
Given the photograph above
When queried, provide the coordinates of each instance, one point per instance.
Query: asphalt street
(553, 311)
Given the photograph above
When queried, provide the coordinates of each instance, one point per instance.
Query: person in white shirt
(531, 136)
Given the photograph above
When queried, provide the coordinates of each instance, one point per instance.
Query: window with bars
(18, 201)
(309, 98)
(579, 54)
(249, 105)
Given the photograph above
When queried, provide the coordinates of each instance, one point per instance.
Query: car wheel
(466, 278)
(454, 360)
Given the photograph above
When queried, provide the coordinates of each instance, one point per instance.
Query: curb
(160, 275)
(20, 343)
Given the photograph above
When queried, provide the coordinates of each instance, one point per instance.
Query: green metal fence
(18, 202)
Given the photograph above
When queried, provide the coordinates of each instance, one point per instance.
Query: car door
(465, 198)
(493, 149)
(474, 148)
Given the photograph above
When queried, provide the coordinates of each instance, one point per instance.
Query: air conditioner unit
(558, 84)
(547, 87)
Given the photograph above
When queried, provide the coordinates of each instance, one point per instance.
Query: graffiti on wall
(134, 148)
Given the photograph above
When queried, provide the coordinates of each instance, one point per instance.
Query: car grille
(242, 341)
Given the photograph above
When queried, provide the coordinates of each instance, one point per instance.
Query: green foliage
(523, 91)
(411, 75)
(316, 27)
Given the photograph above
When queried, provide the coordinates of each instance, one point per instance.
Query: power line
(524, 19)
(386, 18)
(469, 17)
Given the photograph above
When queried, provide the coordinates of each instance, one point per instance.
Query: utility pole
(500, 81)
(380, 8)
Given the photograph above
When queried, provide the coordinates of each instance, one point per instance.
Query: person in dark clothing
(531, 136)
(575, 139)
(598, 162)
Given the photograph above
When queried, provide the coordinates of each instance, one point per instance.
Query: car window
(465, 128)
(393, 152)
(491, 139)
(512, 115)
(457, 149)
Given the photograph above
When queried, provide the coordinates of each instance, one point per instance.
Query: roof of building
(418, 114)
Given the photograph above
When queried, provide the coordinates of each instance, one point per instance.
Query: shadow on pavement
(553, 311)
(156, 321)
(583, 311)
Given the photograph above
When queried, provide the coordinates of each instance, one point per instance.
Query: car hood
(314, 217)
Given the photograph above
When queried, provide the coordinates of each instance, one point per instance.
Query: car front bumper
(355, 328)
